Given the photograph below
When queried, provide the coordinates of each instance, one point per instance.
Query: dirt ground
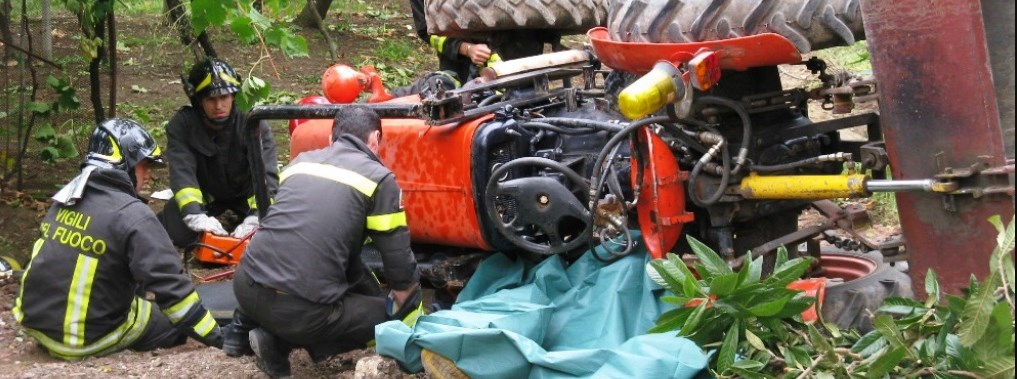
(155, 69)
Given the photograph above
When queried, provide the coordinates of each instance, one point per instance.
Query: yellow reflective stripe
(494, 58)
(188, 195)
(411, 319)
(438, 43)
(116, 340)
(205, 325)
(18, 314)
(226, 77)
(386, 222)
(252, 203)
(77, 300)
(341, 175)
(177, 311)
(204, 83)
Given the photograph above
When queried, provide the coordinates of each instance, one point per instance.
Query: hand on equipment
(249, 225)
(406, 305)
(200, 222)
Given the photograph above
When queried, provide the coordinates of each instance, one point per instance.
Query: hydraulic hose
(725, 175)
(575, 122)
(743, 152)
(838, 157)
(598, 177)
(553, 128)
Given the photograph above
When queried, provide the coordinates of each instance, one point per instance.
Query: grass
(853, 58)
(394, 50)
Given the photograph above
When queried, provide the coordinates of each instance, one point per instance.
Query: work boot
(236, 335)
(272, 354)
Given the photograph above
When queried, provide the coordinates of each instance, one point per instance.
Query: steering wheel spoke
(543, 205)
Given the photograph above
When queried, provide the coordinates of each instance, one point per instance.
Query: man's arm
(183, 167)
(386, 225)
(268, 155)
(155, 265)
(454, 49)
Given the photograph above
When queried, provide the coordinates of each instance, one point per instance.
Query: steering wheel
(543, 204)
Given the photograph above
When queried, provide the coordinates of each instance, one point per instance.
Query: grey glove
(200, 222)
(250, 223)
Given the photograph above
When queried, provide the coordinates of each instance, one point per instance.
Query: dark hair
(358, 120)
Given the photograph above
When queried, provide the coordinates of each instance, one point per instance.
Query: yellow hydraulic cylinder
(803, 186)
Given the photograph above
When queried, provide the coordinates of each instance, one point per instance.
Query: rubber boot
(272, 354)
(236, 341)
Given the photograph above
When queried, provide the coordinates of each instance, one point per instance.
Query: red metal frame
(661, 203)
(938, 110)
(767, 49)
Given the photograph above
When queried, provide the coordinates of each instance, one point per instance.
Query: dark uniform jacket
(208, 166)
(504, 45)
(447, 48)
(330, 201)
(78, 294)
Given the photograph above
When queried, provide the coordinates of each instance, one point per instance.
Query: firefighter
(464, 56)
(302, 278)
(208, 155)
(455, 56)
(104, 276)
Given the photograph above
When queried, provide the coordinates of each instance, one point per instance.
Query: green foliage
(395, 76)
(250, 25)
(394, 50)
(744, 313)
(58, 143)
(760, 335)
(853, 58)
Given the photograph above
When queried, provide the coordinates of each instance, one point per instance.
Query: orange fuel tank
(432, 166)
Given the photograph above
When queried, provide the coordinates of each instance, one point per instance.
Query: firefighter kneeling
(102, 247)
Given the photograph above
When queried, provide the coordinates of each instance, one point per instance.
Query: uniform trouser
(323, 329)
(180, 234)
(159, 333)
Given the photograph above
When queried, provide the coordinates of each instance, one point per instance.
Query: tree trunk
(94, 81)
(177, 18)
(317, 23)
(111, 24)
(5, 27)
(307, 17)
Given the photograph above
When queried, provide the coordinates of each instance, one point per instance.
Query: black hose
(725, 176)
(554, 128)
(743, 152)
(786, 166)
(609, 150)
(576, 122)
(488, 100)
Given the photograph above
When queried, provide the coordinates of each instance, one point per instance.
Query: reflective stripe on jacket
(329, 202)
(78, 294)
(207, 165)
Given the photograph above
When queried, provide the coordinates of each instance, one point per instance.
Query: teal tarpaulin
(517, 320)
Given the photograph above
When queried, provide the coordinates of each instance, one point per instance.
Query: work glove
(250, 223)
(199, 324)
(409, 311)
(200, 222)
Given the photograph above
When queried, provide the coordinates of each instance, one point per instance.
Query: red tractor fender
(767, 49)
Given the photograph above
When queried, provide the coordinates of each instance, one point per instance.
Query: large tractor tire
(458, 18)
(808, 24)
(857, 287)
